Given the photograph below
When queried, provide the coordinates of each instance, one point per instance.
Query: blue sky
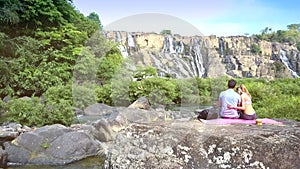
(218, 17)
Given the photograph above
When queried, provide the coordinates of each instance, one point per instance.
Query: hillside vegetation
(291, 35)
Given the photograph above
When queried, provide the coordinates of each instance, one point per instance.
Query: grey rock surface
(192, 144)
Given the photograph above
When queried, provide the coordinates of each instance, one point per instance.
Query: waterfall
(168, 45)
(180, 47)
(123, 51)
(130, 40)
(221, 46)
(195, 52)
(119, 37)
(286, 62)
(121, 47)
(172, 59)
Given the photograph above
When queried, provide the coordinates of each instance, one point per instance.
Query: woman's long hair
(245, 90)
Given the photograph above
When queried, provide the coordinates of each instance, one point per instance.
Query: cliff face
(209, 56)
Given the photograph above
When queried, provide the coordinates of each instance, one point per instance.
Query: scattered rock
(10, 131)
(141, 103)
(98, 109)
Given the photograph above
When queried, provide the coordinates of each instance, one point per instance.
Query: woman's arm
(239, 107)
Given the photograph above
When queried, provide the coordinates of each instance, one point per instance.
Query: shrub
(31, 112)
(57, 93)
(157, 90)
(144, 72)
(103, 94)
(206, 89)
(187, 92)
(84, 95)
(61, 113)
(298, 46)
(3, 109)
(255, 49)
(275, 99)
(280, 107)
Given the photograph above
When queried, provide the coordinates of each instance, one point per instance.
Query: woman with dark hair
(247, 111)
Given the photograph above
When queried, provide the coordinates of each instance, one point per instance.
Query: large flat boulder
(192, 144)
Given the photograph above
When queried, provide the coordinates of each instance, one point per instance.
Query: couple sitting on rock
(236, 104)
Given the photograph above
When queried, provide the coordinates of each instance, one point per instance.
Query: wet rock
(3, 158)
(51, 145)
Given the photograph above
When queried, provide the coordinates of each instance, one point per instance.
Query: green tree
(294, 27)
(109, 64)
(39, 44)
(95, 17)
(292, 35)
(266, 30)
(9, 11)
(166, 32)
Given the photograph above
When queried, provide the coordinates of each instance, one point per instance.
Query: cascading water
(168, 45)
(195, 52)
(180, 47)
(221, 46)
(119, 37)
(121, 47)
(130, 40)
(171, 59)
(286, 62)
(130, 43)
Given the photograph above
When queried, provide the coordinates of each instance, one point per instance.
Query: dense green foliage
(278, 98)
(144, 72)
(40, 43)
(32, 112)
(109, 64)
(157, 90)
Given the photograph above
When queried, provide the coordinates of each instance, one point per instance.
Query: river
(88, 163)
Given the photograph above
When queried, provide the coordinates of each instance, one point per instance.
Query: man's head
(231, 84)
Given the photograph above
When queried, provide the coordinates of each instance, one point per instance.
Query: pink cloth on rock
(221, 121)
